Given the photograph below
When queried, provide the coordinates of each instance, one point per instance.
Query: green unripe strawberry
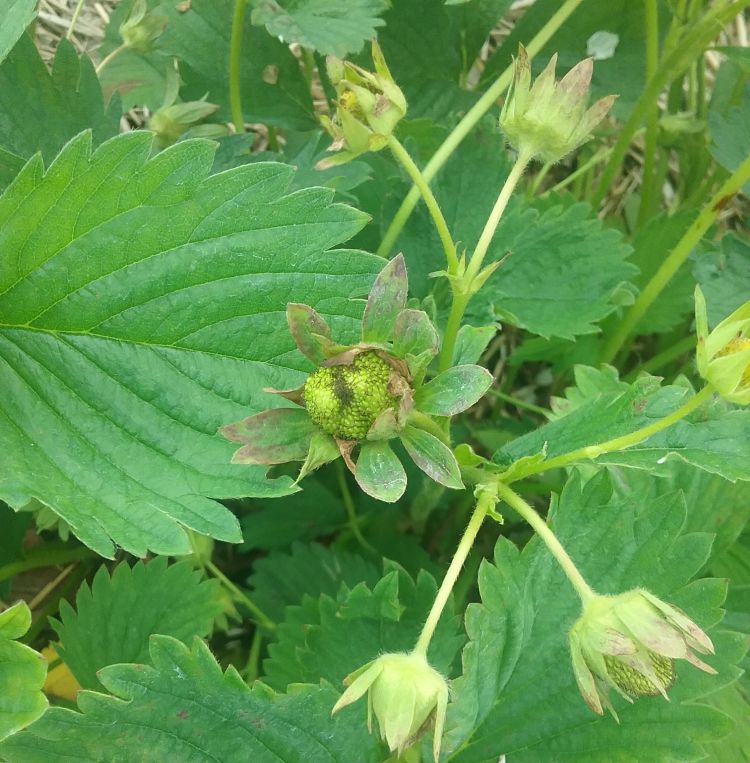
(635, 684)
(345, 400)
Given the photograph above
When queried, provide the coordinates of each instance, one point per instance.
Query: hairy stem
(462, 295)
(351, 511)
(240, 596)
(486, 500)
(583, 589)
(235, 62)
(111, 56)
(466, 125)
(674, 261)
(429, 199)
(618, 443)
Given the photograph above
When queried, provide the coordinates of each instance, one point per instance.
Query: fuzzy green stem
(477, 258)
(44, 556)
(110, 57)
(618, 443)
(518, 403)
(462, 295)
(673, 65)
(652, 119)
(429, 199)
(239, 595)
(598, 157)
(74, 19)
(466, 125)
(485, 501)
(423, 421)
(235, 63)
(583, 589)
(675, 260)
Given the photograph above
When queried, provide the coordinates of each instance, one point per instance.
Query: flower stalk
(486, 500)
(540, 527)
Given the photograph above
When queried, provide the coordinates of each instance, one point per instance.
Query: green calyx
(634, 683)
(345, 400)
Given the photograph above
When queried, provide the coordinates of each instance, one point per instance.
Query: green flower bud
(142, 27)
(406, 693)
(170, 123)
(723, 355)
(369, 106)
(549, 119)
(345, 400)
(629, 643)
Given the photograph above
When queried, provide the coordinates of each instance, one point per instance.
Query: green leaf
(311, 513)
(386, 300)
(336, 27)
(414, 333)
(379, 472)
(518, 660)
(17, 15)
(114, 619)
(330, 637)
(724, 277)
(433, 457)
(285, 578)
(453, 391)
(22, 673)
(129, 336)
(60, 104)
(715, 438)
(184, 708)
(729, 127)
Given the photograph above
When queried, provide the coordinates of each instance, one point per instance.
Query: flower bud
(142, 27)
(628, 643)
(549, 119)
(723, 355)
(170, 123)
(405, 694)
(369, 107)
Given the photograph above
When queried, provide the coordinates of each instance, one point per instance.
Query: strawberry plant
(374, 381)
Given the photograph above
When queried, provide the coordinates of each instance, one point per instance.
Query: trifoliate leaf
(60, 104)
(518, 660)
(114, 619)
(22, 673)
(337, 27)
(17, 15)
(715, 438)
(143, 307)
(284, 578)
(329, 638)
(182, 707)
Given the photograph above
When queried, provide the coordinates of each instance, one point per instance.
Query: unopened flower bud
(629, 643)
(723, 355)
(142, 27)
(549, 119)
(406, 694)
(369, 107)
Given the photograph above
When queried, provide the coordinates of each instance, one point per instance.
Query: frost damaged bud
(369, 106)
(549, 119)
(629, 643)
(406, 694)
(345, 401)
(723, 355)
